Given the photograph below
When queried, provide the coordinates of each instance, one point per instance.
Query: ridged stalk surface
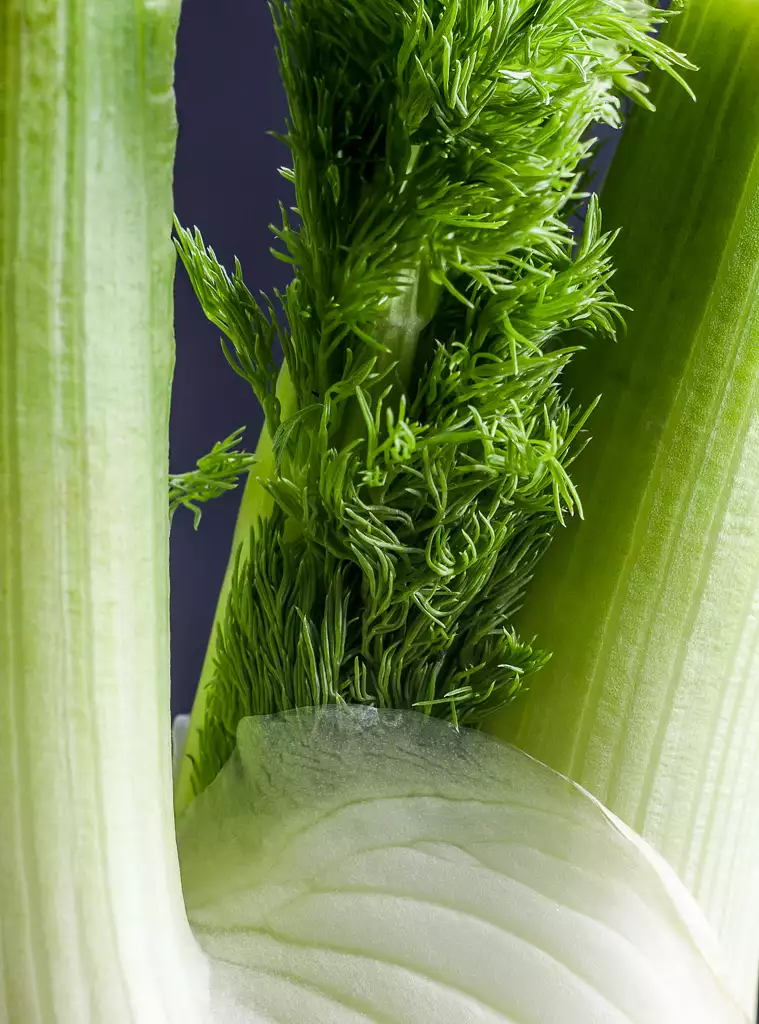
(651, 607)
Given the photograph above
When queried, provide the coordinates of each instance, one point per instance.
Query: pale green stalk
(651, 699)
(93, 927)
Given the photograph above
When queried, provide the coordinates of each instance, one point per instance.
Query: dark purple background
(228, 96)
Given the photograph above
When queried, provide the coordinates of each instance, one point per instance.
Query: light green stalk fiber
(353, 865)
(651, 699)
(92, 926)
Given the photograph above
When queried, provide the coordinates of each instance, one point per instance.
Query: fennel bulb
(353, 865)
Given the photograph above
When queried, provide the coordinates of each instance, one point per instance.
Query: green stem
(652, 608)
(256, 504)
(404, 318)
(407, 315)
(93, 924)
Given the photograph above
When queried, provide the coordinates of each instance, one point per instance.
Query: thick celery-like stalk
(651, 608)
(93, 927)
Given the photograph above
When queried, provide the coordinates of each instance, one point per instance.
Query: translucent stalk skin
(651, 607)
(92, 925)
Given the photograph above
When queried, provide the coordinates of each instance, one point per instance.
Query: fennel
(351, 865)
(650, 699)
(92, 921)
(218, 471)
(422, 464)
(318, 812)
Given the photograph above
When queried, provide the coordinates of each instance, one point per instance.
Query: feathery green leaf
(438, 293)
(217, 472)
